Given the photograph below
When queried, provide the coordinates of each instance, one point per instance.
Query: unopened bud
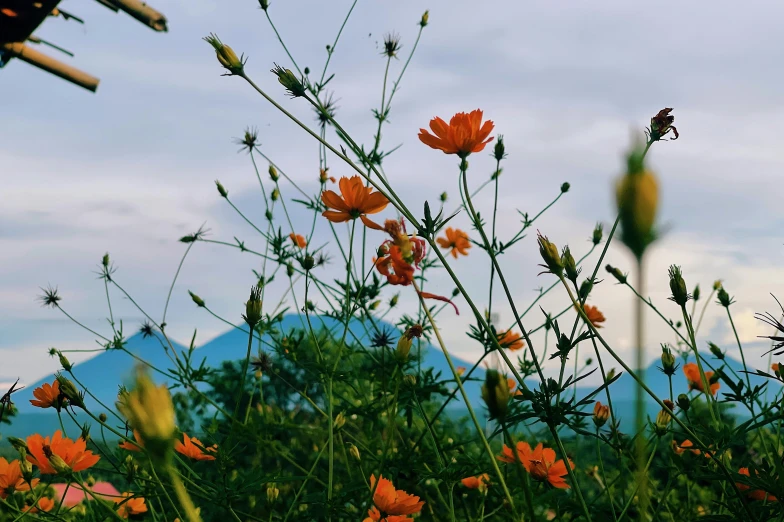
(273, 173)
(410, 379)
(102, 417)
(64, 362)
(18, 444)
(425, 18)
(610, 375)
(272, 493)
(27, 469)
(69, 391)
(549, 253)
(678, 286)
(268, 215)
(567, 260)
(196, 299)
(221, 189)
(443, 197)
(290, 270)
(59, 465)
(724, 298)
(403, 348)
(105, 260)
(716, 285)
(600, 414)
(565, 188)
(668, 361)
(585, 289)
(696, 293)
(637, 197)
(307, 262)
(393, 300)
(598, 232)
(353, 451)
(716, 351)
(499, 151)
(684, 402)
(264, 4)
(226, 55)
(616, 273)
(85, 433)
(495, 393)
(340, 420)
(662, 421)
(275, 195)
(287, 79)
(253, 307)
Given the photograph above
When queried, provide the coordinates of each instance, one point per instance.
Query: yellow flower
(149, 409)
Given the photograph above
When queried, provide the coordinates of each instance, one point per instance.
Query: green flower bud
(678, 286)
(105, 260)
(264, 4)
(443, 197)
(221, 189)
(425, 19)
(724, 298)
(64, 362)
(716, 351)
(598, 232)
(567, 260)
(69, 391)
(353, 451)
(290, 270)
(668, 361)
(196, 299)
(289, 81)
(684, 402)
(616, 273)
(565, 188)
(307, 262)
(499, 151)
(253, 307)
(273, 173)
(696, 293)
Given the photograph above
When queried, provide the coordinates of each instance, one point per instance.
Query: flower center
(538, 470)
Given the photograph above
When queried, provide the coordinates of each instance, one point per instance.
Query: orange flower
(130, 446)
(512, 341)
(688, 445)
(455, 239)
(600, 414)
(74, 453)
(755, 494)
(374, 515)
(43, 504)
(394, 268)
(11, 478)
(539, 463)
(479, 482)
(130, 505)
(465, 134)
(692, 372)
(594, 315)
(389, 501)
(194, 449)
(461, 370)
(512, 385)
(355, 201)
(48, 396)
(298, 240)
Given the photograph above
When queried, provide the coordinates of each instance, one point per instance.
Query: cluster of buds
(272, 493)
(496, 394)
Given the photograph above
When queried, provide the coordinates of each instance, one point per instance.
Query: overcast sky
(130, 169)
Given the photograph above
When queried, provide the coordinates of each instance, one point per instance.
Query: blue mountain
(104, 373)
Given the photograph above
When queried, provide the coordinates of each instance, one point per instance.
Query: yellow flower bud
(637, 198)
(149, 409)
(353, 451)
(226, 55)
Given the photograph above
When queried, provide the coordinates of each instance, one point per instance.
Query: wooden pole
(49, 64)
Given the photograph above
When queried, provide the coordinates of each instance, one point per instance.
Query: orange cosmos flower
(595, 316)
(479, 482)
(688, 445)
(754, 494)
(130, 505)
(298, 240)
(394, 268)
(540, 463)
(456, 240)
(43, 504)
(465, 134)
(354, 202)
(193, 448)
(692, 372)
(11, 478)
(130, 446)
(48, 396)
(74, 453)
(509, 339)
(389, 501)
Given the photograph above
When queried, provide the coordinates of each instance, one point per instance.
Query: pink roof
(74, 495)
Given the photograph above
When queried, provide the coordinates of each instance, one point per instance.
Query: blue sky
(130, 169)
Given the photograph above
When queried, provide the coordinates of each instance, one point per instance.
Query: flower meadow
(338, 419)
